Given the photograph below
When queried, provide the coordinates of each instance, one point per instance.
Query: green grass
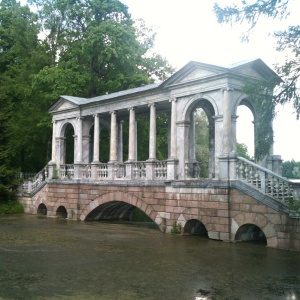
(11, 207)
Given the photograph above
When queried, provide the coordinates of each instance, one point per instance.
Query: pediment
(194, 71)
(62, 105)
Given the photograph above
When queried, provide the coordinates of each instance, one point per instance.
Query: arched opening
(69, 144)
(195, 227)
(118, 211)
(201, 147)
(61, 212)
(245, 131)
(42, 210)
(250, 232)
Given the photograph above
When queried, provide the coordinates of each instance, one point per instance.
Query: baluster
(241, 172)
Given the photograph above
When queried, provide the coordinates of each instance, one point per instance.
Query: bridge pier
(221, 209)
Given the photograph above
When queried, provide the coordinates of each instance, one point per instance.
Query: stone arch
(244, 100)
(66, 143)
(188, 214)
(200, 158)
(42, 209)
(121, 197)
(63, 126)
(190, 105)
(258, 220)
(61, 212)
(37, 201)
(195, 227)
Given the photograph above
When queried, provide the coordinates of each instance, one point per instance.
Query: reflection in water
(44, 258)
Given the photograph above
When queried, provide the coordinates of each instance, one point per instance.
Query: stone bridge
(236, 200)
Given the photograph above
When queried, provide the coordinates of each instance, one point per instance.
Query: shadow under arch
(250, 232)
(61, 212)
(42, 210)
(257, 220)
(117, 204)
(195, 227)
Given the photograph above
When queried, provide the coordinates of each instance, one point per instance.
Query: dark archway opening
(251, 233)
(195, 227)
(120, 212)
(69, 143)
(42, 210)
(62, 212)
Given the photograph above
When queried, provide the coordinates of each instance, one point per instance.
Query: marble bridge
(237, 200)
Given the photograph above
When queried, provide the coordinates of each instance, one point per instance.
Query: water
(43, 258)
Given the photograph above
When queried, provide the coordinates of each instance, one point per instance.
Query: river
(45, 258)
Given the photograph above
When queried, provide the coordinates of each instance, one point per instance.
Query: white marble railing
(102, 171)
(31, 184)
(66, 171)
(86, 171)
(265, 180)
(160, 169)
(139, 170)
(120, 170)
(192, 170)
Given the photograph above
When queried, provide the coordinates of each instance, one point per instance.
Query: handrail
(249, 162)
(265, 180)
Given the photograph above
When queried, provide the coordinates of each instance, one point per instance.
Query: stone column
(152, 132)
(113, 137)
(120, 141)
(96, 137)
(53, 157)
(79, 140)
(173, 129)
(192, 141)
(227, 139)
(132, 135)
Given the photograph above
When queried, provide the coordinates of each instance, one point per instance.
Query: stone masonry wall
(169, 204)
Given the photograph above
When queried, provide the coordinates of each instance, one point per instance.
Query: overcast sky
(188, 30)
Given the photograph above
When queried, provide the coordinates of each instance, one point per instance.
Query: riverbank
(11, 207)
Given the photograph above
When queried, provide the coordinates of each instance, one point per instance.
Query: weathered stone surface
(169, 207)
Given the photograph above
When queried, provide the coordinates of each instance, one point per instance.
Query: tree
(95, 49)
(291, 169)
(20, 58)
(242, 150)
(88, 48)
(202, 141)
(289, 40)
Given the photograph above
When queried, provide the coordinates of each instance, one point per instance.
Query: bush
(11, 207)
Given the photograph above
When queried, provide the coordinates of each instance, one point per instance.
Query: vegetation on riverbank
(11, 207)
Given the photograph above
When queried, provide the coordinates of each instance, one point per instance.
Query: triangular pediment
(61, 105)
(194, 71)
(254, 68)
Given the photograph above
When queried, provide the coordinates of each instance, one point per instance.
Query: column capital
(172, 99)
(96, 115)
(79, 118)
(150, 104)
(227, 89)
(133, 108)
(113, 112)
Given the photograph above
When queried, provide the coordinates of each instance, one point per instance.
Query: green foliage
(260, 93)
(202, 141)
(294, 204)
(11, 207)
(87, 48)
(242, 150)
(291, 169)
(139, 216)
(176, 228)
(287, 40)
